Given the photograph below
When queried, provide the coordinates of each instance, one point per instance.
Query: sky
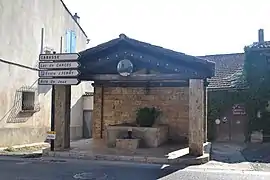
(195, 27)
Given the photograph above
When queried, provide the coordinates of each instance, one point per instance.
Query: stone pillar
(62, 116)
(205, 114)
(96, 127)
(196, 117)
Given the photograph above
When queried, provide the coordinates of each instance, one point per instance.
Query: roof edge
(221, 54)
(224, 89)
(80, 27)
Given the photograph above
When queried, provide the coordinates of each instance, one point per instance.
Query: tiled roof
(228, 70)
(259, 45)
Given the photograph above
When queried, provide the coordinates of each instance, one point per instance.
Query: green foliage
(257, 75)
(146, 116)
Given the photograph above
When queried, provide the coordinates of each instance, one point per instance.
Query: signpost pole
(61, 70)
(52, 115)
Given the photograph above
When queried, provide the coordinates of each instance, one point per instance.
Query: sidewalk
(229, 156)
(97, 150)
(24, 150)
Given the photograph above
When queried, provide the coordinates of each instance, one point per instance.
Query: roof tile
(259, 45)
(227, 68)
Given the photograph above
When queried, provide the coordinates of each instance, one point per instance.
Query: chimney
(261, 36)
(77, 18)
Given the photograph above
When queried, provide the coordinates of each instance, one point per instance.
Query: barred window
(28, 101)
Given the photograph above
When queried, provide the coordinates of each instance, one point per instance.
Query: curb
(138, 159)
(25, 145)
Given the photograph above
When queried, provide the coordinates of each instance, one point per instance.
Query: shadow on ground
(237, 153)
(258, 153)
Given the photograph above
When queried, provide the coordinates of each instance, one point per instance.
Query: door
(87, 124)
(232, 125)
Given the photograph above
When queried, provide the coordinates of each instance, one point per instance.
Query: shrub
(146, 117)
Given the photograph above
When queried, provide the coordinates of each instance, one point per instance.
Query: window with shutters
(73, 42)
(70, 42)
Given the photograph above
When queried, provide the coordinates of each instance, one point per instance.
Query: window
(28, 101)
(70, 42)
(73, 42)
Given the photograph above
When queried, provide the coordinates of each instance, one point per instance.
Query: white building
(28, 28)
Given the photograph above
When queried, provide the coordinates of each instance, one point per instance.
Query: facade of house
(227, 109)
(29, 28)
(257, 74)
(223, 90)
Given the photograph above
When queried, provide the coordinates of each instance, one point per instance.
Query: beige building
(29, 28)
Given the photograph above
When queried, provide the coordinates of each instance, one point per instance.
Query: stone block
(256, 137)
(129, 144)
(150, 136)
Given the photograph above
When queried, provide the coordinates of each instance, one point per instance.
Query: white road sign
(51, 135)
(59, 81)
(59, 57)
(59, 73)
(58, 65)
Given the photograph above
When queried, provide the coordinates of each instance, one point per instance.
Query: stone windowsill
(28, 111)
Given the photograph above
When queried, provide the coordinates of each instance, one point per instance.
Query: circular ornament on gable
(125, 67)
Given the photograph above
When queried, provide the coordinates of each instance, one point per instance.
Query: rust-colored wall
(120, 105)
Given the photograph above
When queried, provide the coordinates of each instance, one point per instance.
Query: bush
(146, 116)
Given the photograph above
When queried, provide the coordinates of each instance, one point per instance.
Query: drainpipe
(42, 41)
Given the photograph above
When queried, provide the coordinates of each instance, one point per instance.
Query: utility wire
(19, 65)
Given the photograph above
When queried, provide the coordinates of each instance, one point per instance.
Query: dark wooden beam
(140, 84)
(142, 77)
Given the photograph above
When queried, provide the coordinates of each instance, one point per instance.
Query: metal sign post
(52, 116)
(57, 69)
(59, 65)
(58, 81)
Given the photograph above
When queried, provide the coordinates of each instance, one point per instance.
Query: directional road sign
(59, 81)
(59, 65)
(59, 57)
(59, 73)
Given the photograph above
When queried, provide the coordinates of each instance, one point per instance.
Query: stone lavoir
(120, 105)
(129, 74)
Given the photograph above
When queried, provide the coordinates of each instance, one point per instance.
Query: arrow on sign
(59, 57)
(60, 81)
(59, 73)
(59, 65)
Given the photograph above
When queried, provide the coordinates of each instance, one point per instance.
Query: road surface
(14, 168)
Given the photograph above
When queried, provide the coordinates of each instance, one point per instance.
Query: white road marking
(244, 172)
(23, 163)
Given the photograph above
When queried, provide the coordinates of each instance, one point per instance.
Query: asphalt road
(47, 169)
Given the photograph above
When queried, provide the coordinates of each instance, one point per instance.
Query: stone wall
(120, 105)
